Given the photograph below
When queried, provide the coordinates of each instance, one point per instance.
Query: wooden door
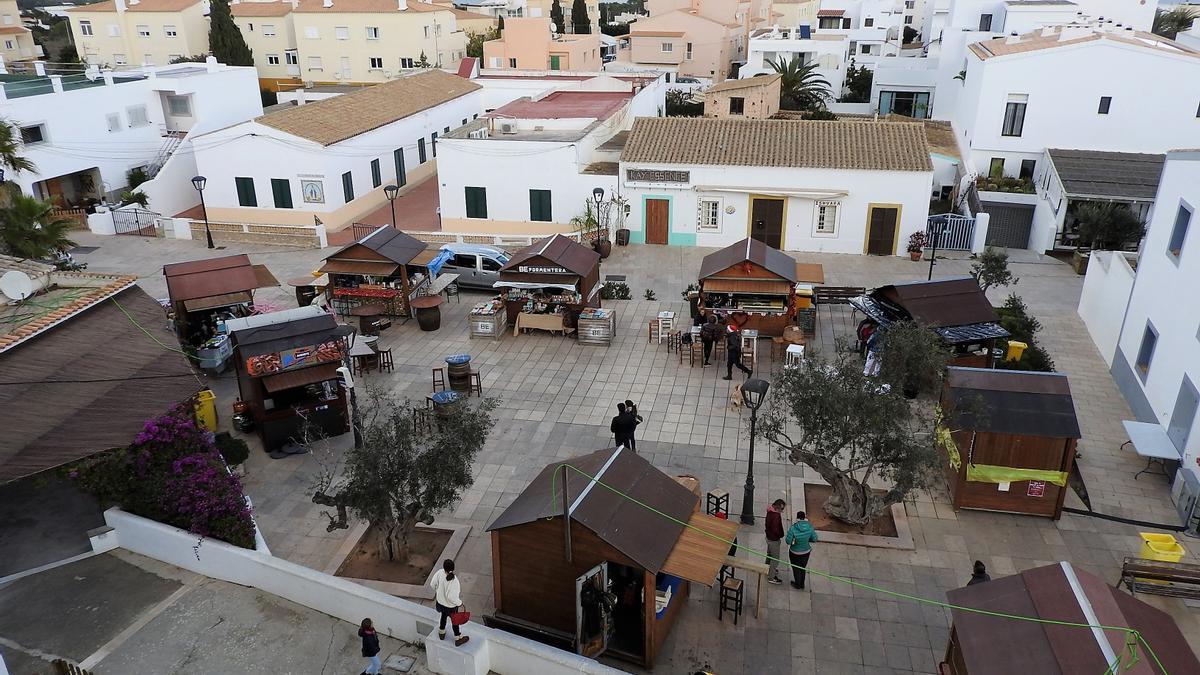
(658, 220)
(766, 222)
(881, 235)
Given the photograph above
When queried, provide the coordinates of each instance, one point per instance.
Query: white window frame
(120, 60)
(268, 30)
(341, 32)
(147, 59)
(138, 116)
(708, 209)
(667, 47)
(143, 30)
(375, 63)
(171, 107)
(8, 44)
(114, 30)
(273, 59)
(113, 121)
(314, 63)
(291, 57)
(311, 33)
(170, 31)
(372, 32)
(427, 32)
(822, 227)
(40, 125)
(85, 28)
(407, 62)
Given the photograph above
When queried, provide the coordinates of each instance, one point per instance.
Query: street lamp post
(937, 237)
(199, 182)
(754, 392)
(597, 196)
(390, 192)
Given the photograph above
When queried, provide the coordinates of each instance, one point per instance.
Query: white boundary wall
(1105, 296)
(489, 649)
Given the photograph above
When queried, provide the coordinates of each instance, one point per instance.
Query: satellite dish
(16, 285)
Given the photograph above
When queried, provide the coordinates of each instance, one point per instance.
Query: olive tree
(853, 430)
(410, 465)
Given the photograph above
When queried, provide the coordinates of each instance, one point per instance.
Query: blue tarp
(435, 265)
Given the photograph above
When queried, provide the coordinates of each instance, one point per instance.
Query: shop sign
(486, 326)
(658, 176)
(1037, 488)
(276, 362)
(538, 269)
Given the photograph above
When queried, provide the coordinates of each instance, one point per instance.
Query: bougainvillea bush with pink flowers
(172, 473)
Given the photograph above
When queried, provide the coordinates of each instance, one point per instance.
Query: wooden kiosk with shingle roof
(387, 267)
(752, 285)
(570, 525)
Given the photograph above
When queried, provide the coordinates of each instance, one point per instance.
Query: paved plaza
(558, 396)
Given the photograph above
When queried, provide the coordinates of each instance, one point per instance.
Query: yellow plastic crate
(1161, 547)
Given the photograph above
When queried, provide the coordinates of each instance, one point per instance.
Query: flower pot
(915, 256)
(603, 247)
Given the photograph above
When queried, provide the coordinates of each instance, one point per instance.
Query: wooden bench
(1180, 580)
(835, 295)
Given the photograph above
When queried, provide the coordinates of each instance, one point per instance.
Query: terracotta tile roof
(143, 6)
(656, 33)
(884, 146)
(336, 119)
(1062, 36)
(745, 83)
(254, 8)
(365, 6)
(830, 12)
(100, 287)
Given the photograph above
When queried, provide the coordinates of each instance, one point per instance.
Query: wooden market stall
(987, 644)
(753, 286)
(205, 293)
(1009, 439)
(287, 371)
(546, 285)
(386, 267)
(954, 308)
(565, 532)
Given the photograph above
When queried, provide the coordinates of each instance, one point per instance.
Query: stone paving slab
(558, 396)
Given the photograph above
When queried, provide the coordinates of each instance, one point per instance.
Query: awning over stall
(215, 277)
(215, 301)
(298, 378)
(748, 286)
(701, 549)
(362, 267)
(534, 286)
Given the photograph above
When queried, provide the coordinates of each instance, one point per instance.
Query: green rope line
(148, 333)
(1133, 635)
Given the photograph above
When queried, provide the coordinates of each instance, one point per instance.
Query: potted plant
(916, 244)
(234, 450)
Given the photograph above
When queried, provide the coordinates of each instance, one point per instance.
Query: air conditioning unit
(508, 128)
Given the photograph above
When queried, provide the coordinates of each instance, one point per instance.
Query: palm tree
(29, 228)
(9, 159)
(801, 87)
(1108, 226)
(1170, 22)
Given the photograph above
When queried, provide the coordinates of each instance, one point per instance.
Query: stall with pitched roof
(1008, 437)
(547, 284)
(386, 268)
(753, 286)
(577, 529)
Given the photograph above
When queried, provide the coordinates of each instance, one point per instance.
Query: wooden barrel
(458, 371)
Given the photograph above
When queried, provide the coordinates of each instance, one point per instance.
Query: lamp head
(198, 182)
(391, 191)
(754, 392)
(598, 194)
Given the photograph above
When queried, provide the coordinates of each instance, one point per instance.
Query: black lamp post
(390, 192)
(597, 196)
(1, 174)
(754, 392)
(199, 182)
(937, 236)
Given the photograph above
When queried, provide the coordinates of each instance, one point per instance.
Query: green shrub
(234, 450)
(1015, 318)
(615, 290)
(649, 294)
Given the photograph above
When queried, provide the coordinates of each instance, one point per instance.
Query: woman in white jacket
(448, 596)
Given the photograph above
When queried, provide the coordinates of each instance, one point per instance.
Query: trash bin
(1161, 547)
(1015, 350)
(206, 410)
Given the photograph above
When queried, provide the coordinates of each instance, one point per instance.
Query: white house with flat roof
(833, 187)
(1136, 315)
(329, 160)
(530, 166)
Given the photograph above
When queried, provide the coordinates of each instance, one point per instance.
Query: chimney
(403, 5)
(120, 5)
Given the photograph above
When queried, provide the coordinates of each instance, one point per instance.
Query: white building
(85, 131)
(330, 159)
(529, 166)
(828, 49)
(1010, 111)
(835, 187)
(1139, 320)
(872, 28)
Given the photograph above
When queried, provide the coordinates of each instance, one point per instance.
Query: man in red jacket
(774, 527)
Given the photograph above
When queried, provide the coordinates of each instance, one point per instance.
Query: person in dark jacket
(623, 426)
(774, 531)
(710, 332)
(631, 409)
(979, 574)
(733, 351)
(370, 647)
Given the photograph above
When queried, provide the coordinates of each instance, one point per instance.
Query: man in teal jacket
(799, 539)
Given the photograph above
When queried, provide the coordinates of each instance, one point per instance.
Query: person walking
(370, 647)
(623, 426)
(979, 574)
(447, 596)
(733, 351)
(710, 332)
(631, 409)
(774, 530)
(799, 540)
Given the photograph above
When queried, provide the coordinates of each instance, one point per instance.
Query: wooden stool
(652, 331)
(452, 289)
(475, 384)
(674, 341)
(385, 361)
(696, 351)
(716, 502)
(731, 598)
(439, 380)
(778, 348)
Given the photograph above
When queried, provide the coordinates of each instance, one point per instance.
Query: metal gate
(135, 221)
(953, 232)
(1009, 225)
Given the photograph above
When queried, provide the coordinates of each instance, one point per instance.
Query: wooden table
(550, 322)
(760, 569)
(363, 350)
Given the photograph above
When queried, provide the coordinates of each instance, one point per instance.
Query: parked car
(477, 265)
